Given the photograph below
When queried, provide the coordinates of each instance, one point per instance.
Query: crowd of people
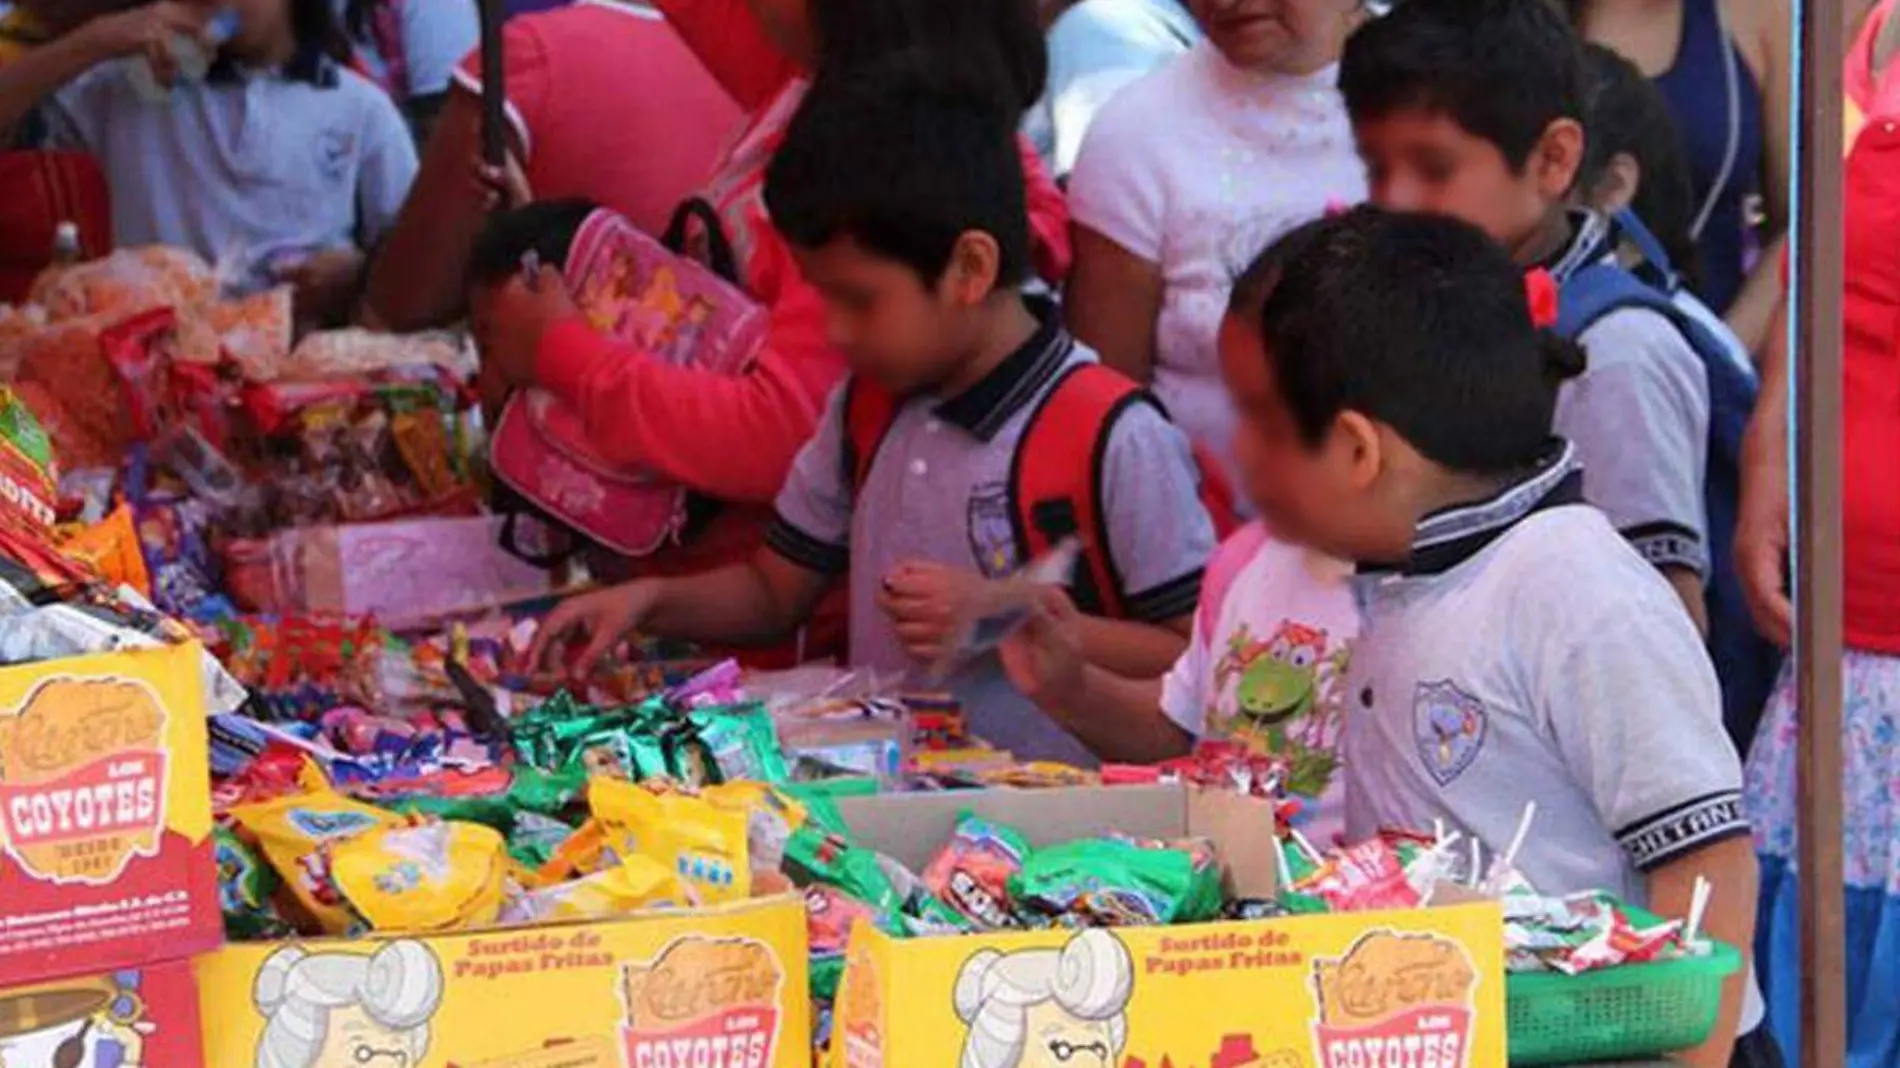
(1411, 376)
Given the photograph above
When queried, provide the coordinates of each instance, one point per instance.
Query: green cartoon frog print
(1283, 701)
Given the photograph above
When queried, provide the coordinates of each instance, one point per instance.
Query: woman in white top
(1188, 173)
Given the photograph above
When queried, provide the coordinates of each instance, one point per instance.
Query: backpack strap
(869, 411)
(718, 248)
(1228, 561)
(1055, 479)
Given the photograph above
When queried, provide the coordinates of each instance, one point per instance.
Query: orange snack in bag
(110, 547)
(125, 283)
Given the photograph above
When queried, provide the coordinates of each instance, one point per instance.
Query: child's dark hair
(1503, 70)
(1627, 115)
(904, 163)
(544, 227)
(997, 45)
(322, 46)
(1420, 322)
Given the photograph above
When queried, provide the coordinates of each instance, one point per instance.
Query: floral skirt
(1871, 741)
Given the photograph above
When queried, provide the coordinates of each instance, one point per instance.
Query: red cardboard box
(144, 1017)
(106, 857)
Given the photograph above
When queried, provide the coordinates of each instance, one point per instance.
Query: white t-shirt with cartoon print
(1267, 665)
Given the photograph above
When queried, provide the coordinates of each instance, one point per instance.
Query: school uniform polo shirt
(242, 165)
(1639, 416)
(1525, 653)
(937, 491)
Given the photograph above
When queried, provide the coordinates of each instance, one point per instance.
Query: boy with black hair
(1397, 398)
(1475, 108)
(973, 432)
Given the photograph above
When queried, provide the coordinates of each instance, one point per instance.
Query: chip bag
(29, 480)
(245, 887)
(111, 548)
(971, 873)
(292, 833)
(636, 883)
(438, 876)
(1116, 883)
(706, 844)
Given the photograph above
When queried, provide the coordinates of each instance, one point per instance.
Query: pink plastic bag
(404, 573)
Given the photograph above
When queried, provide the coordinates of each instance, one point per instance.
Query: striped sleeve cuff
(1684, 829)
(806, 551)
(1170, 600)
(1669, 545)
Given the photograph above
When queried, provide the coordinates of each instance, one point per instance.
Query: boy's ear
(976, 262)
(1557, 157)
(1365, 448)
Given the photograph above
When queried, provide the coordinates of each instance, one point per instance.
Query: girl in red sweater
(733, 438)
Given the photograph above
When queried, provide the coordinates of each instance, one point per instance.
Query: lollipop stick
(1698, 907)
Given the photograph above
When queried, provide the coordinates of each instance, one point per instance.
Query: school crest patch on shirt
(1449, 726)
(992, 532)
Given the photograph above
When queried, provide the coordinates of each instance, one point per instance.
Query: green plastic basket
(1640, 1010)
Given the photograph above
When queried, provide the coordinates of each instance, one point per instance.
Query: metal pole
(494, 85)
(1816, 398)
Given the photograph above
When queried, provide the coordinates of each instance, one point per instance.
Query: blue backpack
(1745, 662)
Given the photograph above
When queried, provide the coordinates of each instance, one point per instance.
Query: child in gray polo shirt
(1513, 647)
(904, 205)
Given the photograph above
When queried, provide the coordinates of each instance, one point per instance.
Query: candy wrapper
(1581, 933)
(492, 796)
(971, 873)
(1004, 606)
(742, 742)
(1367, 876)
(1110, 883)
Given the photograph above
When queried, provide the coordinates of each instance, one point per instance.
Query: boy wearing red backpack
(973, 434)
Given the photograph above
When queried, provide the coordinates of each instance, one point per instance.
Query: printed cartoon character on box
(88, 1023)
(347, 1010)
(1047, 1008)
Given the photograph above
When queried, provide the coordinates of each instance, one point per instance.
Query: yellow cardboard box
(1416, 989)
(710, 988)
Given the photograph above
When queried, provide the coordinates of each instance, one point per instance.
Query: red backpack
(1055, 480)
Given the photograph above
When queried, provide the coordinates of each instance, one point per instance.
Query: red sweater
(1871, 352)
(644, 412)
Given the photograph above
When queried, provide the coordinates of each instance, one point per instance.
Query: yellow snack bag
(425, 878)
(747, 795)
(635, 883)
(702, 842)
(293, 832)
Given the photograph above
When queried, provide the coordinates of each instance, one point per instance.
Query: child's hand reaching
(521, 313)
(1043, 658)
(926, 602)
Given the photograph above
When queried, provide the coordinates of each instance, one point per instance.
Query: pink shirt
(611, 105)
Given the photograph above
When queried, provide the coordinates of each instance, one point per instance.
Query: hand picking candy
(971, 873)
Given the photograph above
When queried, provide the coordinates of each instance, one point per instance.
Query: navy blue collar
(1450, 536)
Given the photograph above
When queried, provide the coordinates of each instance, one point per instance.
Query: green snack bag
(820, 808)
(827, 972)
(1116, 884)
(245, 886)
(1304, 904)
(742, 742)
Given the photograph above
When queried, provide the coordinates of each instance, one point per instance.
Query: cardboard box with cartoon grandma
(707, 988)
(105, 814)
(1415, 989)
